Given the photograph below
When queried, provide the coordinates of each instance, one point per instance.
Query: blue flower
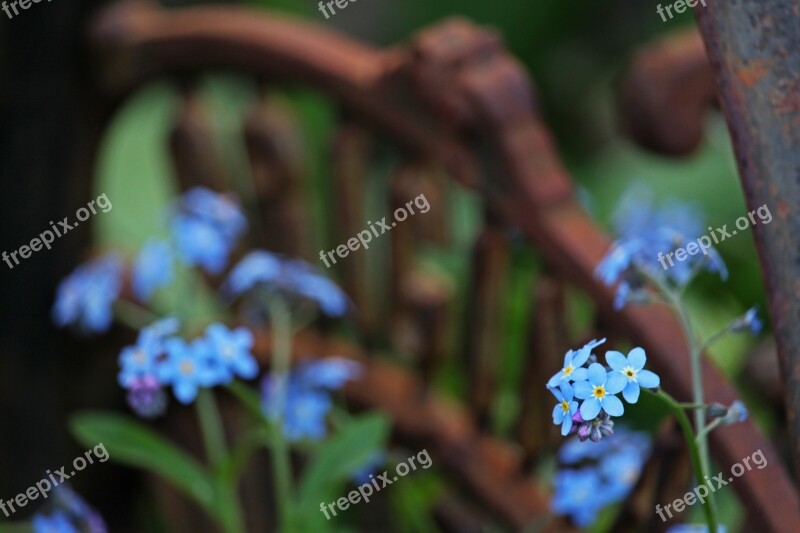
(737, 412)
(199, 243)
(205, 228)
(57, 522)
(85, 297)
(599, 392)
(231, 351)
(221, 210)
(188, 367)
(152, 269)
(748, 321)
(599, 475)
(565, 409)
(631, 368)
(573, 365)
(306, 397)
(284, 275)
(141, 359)
(578, 494)
(645, 234)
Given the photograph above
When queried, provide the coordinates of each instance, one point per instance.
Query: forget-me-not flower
(631, 367)
(598, 393)
(231, 350)
(306, 397)
(141, 359)
(293, 276)
(85, 297)
(188, 367)
(565, 408)
(573, 364)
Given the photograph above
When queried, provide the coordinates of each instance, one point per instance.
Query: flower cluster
(160, 359)
(69, 514)
(645, 230)
(597, 475)
(306, 396)
(583, 378)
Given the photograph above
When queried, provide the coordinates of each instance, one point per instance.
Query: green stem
(709, 506)
(216, 449)
(133, 315)
(280, 321)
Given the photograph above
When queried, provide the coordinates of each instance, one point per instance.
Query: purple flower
(152, 268)
(85, 297)
(146, 397)
(631, 367)
(598, 393)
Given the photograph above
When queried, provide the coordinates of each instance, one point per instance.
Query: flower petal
(616, 360)
(590, 409)
(582, 389)
(580, 357)
(580, 374)
(647, 379)
(566, 425)
(612, 405)
(631, 392)
(554, 381)
(568, 358)
(637, 358)
(556, 393)
(558, 414)
(566, 391)
(615, 383)
(597, 374)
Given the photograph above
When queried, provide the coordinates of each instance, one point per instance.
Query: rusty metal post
(754, 51)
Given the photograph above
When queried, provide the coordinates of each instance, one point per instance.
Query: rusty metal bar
(754, 48)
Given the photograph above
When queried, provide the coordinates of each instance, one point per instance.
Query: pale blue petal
(566, 425)
(581, 356)
(612, 405)
(616, 360)
(554, 381)
(558, 414)
(637, 358)
(631, 392)
(556, 393)
(590, 409)
(582, 389)
(616, 382)
(647, 379)
(580, 374)
(597, 374)
(566, 391)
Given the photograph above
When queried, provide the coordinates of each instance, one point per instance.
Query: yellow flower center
(599, 392)
(568, 370)
(630, 372)
(565, 406)
(187, 367)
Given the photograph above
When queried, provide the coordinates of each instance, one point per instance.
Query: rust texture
(753, 47)
(666, 94)
(464, 85)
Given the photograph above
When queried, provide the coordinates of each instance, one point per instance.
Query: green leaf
(341, 456)
(132, 443)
